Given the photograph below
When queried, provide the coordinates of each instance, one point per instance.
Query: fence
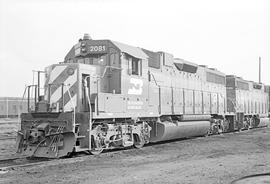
(12, 106)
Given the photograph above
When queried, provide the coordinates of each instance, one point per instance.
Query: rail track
(7, 138)
(11, 163)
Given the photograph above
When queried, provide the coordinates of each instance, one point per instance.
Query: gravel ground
(214, 159)
(8, 129)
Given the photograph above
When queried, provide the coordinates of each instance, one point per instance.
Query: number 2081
(97, 48)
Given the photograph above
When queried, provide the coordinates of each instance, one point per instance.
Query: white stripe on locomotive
(56, 96)
(71, 102)
(56, 72)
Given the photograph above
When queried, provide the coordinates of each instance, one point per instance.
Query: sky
(229, 35)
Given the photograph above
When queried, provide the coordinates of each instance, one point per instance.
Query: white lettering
(134, 107)
(135, 103)
(97, 48)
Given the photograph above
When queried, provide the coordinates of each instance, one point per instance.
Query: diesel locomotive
(108, 95)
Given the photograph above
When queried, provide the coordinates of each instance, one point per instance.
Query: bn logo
(136, 87)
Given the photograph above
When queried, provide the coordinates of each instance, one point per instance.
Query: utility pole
(260, 70)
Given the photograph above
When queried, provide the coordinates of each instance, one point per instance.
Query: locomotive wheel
(220, 129)
(97, 141)
(138, 141)
(96, 151)
(96, 146)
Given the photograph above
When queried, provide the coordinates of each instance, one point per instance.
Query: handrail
(28, 96)
(90, 110)
(151, 74)
(19, 109)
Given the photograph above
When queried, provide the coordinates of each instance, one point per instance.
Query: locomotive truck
(108, 95)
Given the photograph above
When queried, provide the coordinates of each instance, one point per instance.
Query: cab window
(94, 59)
(135, 65)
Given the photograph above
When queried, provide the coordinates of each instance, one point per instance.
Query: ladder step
(128, 143)
(78, 148)
(80, 136)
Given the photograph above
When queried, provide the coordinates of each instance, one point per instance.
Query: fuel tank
(162, 131)
(264, 122)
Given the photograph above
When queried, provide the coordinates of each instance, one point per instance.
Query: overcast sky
(229, 35)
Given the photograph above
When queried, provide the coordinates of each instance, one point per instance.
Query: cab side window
(134, 65)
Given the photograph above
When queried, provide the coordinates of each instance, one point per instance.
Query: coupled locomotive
(108, 95)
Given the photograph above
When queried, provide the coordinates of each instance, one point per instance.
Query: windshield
(94, 59)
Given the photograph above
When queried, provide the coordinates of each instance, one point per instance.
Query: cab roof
(131, 50)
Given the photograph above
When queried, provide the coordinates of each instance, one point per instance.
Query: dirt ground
(8, 128)
(214, 159)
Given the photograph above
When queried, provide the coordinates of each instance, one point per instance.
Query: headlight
(70, 71)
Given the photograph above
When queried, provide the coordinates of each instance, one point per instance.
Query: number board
(97, 48)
